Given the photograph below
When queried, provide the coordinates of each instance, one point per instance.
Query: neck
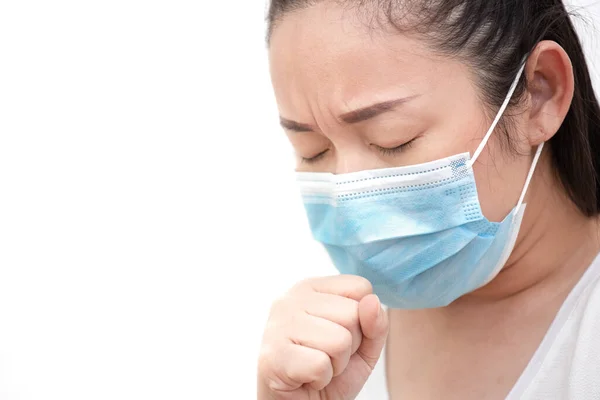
(556, 244)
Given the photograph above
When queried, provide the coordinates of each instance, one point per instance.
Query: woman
(449, 161)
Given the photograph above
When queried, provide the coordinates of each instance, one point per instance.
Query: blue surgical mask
(417, 233)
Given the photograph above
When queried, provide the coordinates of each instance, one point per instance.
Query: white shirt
(566, 365)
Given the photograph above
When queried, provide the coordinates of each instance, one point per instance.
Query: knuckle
(302, 285)
(278, 304)
(321, 366)
(364, 284)
(350, 317)
(266, 360)
(275, 331)
(342, 343)
(285, 320)
(283, 307)
(275, 385)
(272, 371)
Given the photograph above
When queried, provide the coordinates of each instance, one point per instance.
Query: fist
(322, 340)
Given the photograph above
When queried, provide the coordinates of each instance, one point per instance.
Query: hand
(322, 340)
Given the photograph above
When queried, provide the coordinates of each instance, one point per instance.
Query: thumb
(374, 324)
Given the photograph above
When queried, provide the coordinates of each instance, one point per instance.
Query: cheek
(500, 177)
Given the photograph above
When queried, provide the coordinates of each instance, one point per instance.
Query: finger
(296, 365)
(374, 324)
(341, 310)
(326, 336)
(350, 286)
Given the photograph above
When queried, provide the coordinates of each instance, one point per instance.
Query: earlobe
(550, 85)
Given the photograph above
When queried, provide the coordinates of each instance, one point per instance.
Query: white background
(148, 214)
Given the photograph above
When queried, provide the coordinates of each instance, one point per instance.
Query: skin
(325, 65)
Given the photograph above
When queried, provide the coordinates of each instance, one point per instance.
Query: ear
(550, 85)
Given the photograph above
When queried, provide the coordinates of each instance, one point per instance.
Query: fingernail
(379, 309)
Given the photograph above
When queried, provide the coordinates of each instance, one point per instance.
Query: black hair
(493, 37)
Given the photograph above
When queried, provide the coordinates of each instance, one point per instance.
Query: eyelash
(384, 150)
(394, 150)
(312, 160)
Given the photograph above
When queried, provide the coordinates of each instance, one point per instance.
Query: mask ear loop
(536, 158)
(511, 91)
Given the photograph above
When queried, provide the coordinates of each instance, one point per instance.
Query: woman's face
(354, 99)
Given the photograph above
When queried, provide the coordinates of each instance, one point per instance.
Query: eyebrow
(295, 126)
(352, 117)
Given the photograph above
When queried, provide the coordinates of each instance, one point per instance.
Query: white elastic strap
(530, 175)
(498, 116)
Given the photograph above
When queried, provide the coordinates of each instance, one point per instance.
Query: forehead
(328, 52)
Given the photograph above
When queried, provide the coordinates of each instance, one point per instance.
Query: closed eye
(389, 151)
(314, 159)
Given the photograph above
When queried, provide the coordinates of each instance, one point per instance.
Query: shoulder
(578, 347)
(568, 360)
(584, 310)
